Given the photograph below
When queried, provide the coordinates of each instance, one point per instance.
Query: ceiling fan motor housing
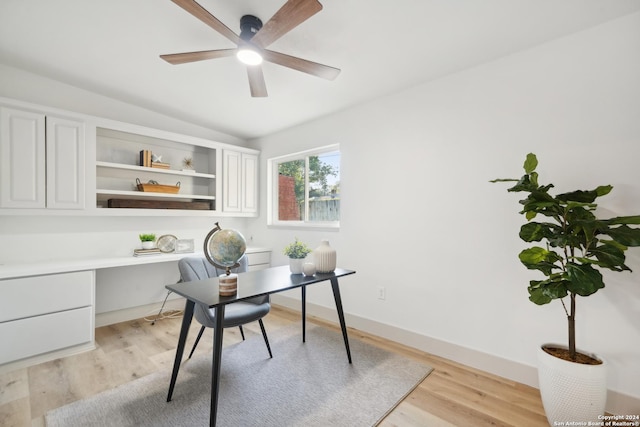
(249, 26)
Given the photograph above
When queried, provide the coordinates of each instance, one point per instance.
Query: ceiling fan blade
(203, 14)
(256, 81)
(183, 58)
(309, 67)
(289, 16)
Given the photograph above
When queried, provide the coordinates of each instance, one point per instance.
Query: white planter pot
(571, 391)
(295, 265)
(148, 245)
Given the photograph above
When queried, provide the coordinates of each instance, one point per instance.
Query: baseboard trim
(149, 311)
(617, 403)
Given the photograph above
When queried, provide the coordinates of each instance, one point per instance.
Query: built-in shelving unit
(118, 170)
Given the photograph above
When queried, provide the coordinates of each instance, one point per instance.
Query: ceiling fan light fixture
(249, 55)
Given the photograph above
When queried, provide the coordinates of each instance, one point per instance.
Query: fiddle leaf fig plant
(577, 244)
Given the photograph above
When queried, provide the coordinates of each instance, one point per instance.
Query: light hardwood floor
(452, 394)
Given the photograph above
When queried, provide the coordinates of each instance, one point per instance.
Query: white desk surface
(36, 268)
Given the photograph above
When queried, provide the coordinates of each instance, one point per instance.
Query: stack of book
(146, 252)
(160, 165)
(145, 158)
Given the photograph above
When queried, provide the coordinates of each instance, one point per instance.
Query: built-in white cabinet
(22, 159)
(41, 314)
(240, 182)
(42, 161)
(78, 164)
(65, 143)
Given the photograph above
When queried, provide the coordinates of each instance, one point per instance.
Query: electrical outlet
(382, 292)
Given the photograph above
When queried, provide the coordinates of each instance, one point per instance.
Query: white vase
(325, 257)
(571, 391)
(295, 265)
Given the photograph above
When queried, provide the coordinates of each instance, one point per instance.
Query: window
(304, 188)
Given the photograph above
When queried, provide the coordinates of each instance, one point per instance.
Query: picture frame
(184, 246)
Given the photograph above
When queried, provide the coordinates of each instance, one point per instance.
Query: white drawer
(259, 258)
(41, 334)
(32, 296)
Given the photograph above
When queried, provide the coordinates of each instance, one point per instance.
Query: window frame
(273, 190)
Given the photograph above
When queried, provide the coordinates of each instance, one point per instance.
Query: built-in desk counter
(258, 258)
(48, 309)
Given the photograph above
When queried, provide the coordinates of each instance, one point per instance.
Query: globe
(225, 247)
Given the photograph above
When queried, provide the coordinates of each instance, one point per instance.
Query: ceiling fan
(253, 40)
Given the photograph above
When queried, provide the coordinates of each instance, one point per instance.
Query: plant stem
(572, 328)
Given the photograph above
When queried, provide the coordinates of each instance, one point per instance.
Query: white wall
(420, 218)
(30, 87)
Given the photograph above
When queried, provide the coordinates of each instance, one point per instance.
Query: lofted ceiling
(112, 47)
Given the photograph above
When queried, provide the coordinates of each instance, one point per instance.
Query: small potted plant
(297, 252)
(147, 240)
(574, 246)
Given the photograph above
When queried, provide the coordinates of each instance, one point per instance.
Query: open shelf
(160, 196)
(154, 170)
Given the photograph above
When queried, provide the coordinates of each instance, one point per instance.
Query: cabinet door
(65, 164)
(22, 159)
(249, 183)
(232, 168)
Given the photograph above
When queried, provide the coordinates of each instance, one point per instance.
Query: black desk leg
(215, 366)
(304, 312)
(184, 331)
(343, 326)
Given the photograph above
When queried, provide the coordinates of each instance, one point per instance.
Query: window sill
(305, 226)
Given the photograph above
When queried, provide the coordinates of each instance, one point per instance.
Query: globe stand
(228, 283)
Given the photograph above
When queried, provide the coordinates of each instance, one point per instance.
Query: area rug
(305, 384)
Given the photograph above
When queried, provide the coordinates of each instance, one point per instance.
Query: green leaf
(603, 190)
(583, 279)
(536, 231)
(503, 180)
(613, 243)
(585, 196)
(635, 219)
(541, 202)
(609, 256)
(533, 255)
(537, 296)
(530, 163)
(537, 258)
(524, 184)
(624, 235)
(544, 291)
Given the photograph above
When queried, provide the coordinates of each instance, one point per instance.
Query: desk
(251, 284)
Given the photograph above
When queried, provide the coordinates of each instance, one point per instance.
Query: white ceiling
(112, 46)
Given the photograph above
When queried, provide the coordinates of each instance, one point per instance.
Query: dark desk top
(251, 284)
